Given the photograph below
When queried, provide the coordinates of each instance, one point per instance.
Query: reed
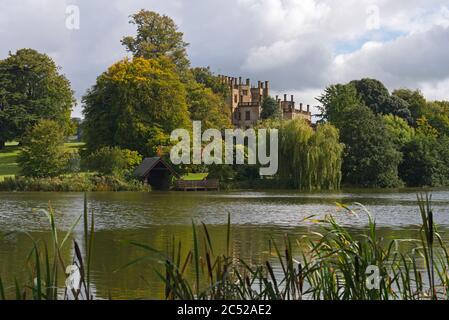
(331, 264)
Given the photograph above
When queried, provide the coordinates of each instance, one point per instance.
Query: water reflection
(155, 218)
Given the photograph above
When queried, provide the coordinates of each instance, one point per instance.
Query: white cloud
(296, 44)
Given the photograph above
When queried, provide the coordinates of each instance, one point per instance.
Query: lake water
(154, 218)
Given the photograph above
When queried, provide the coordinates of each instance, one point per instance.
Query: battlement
(245, 101)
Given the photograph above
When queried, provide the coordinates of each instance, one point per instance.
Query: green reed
(331, 264)
(45, 264)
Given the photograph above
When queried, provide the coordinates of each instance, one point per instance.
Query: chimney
(259, 84)
(300, 106)
(292, 98)
(247, 82)
(240, 80)
(277, 98)
(308, 108)
(285, 97)
(266, 84)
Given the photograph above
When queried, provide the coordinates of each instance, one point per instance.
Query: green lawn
(8, 165)
(194, 176)
(8, 156)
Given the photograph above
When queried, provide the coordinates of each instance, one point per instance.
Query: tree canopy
(31, 89)
(133, 100)
(270, 109)
(157, 36)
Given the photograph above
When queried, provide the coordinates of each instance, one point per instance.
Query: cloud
(301, 46)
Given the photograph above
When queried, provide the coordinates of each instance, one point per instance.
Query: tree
(157, 36)
(426, 161)
(270, 109)
(307, 159)
(31, 89)
(205, 77)
(373, 93)
(133, 100)
(370, 159)
(337, 102)
(113, 161)
(206, 106)
(415, 100)
(399, 130)
(43, 152)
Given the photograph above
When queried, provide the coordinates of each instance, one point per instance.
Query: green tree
(416, 102)
(113, 161)
(31, 89)
(205, 77)
(43, 153)
(337, 102)
(270, 109)
(309, 159)
(426, 161)
(376, 96)
(208, 107)
(399, 130)
(133, 100)
(157, 36)
(371, 158)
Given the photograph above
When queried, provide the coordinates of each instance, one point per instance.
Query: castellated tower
(245, 102)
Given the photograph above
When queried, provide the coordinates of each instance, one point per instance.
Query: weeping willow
(310, 159)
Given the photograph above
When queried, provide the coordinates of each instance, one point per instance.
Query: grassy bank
(8, 158)
(333, 265)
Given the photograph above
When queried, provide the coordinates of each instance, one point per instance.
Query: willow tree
(310, 159)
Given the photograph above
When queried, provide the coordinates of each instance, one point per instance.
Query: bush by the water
(72, 183)
(112, 161)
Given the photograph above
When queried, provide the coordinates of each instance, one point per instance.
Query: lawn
(194, 176)
(8, 156)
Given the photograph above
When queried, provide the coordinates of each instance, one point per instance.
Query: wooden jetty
(197, 185)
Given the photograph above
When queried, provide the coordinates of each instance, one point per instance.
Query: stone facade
(245, 102)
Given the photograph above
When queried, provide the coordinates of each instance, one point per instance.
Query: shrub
(112, 161)
(43, 152)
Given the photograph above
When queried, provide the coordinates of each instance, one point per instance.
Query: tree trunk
(2, 145)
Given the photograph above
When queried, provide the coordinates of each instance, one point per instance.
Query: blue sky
(301, 46)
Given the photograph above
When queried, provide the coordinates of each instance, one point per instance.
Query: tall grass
(332, 264)
(46, 263)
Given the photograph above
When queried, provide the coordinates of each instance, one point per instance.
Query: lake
(155, 218)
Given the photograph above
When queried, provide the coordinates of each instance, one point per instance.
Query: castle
(245, 102)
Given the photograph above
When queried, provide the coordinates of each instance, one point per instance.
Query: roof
(148, 164)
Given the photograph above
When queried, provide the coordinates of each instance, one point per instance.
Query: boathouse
(156, 172)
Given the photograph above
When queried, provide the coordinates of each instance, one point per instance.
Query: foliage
(208, 107)
(426, 161)
(205, 77)
(157, 36)
(270, 109)
(43, 153)
(370, 159)
(112, 161)
(416, 102)
(337, 102)
(377, 97)
(307, 159)
(31, 89)
(131, 101)
(72, 183)
(399, 130)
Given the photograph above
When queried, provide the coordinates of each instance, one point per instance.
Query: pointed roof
(149, 163)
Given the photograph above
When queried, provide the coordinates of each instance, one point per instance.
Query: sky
(300, 46)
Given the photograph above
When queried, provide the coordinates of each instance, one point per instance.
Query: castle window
(236, 98)
(248, 115)
(245, 92)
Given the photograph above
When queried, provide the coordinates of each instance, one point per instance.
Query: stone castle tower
(245, 102)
